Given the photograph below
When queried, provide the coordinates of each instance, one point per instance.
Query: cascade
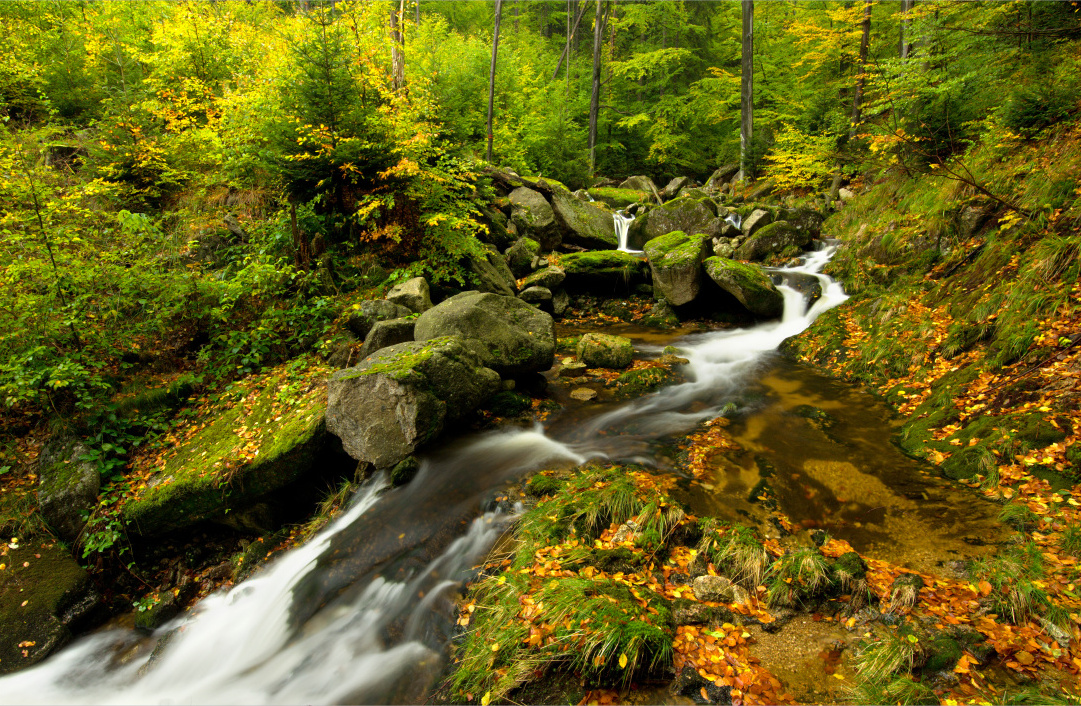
(359, 613)
(623, 227)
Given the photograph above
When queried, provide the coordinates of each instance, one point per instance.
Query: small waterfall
(623, 227)
(735, 220)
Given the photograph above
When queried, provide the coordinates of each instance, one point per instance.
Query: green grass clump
(737, 552)
(1070, 540)
(1018, 516)
(798, 576)
(1013, 575)
(898, 690)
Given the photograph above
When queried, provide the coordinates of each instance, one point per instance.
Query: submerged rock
(583, 394)
(601, 350)
(675, 260)
(400, 398)
(413, 294)
(509, 335)
(747, 283)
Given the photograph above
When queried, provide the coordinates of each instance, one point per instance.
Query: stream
(362, 613)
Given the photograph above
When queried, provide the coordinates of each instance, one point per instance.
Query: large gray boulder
(805, 220)
(749, 284)
(370, 312)
(491, 272)
(639, 183)
(540, 297)
(400, 398)
(68, 486)
(675, 260)
(772, 240)
(603, 271)
(721, 176)
(520, 256)
(585, 224)
(674, 186)
(685, 214)
(533, 216)
(509, 336)
(759, 218)
(413, 294)
(387, 333)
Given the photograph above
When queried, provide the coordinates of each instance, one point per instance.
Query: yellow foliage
(800, 160)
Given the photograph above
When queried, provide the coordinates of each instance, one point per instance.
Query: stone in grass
(713, 589)
(747, 283)
(413, 294)
(601, 350)
(583, 394)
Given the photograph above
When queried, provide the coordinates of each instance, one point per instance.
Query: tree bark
(491, 76)
(857, 98)
(571, 32)
(595, 98)
(397, 48)
(746, 92)
(904, 45)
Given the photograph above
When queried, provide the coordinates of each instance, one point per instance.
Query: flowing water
(360, 613)
(623, 227)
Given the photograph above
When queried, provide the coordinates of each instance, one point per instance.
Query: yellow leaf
(486, 699)
(622, 661)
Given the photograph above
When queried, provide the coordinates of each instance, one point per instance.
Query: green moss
(595, 261)
(509, 404)
(635, 383)
(204, 478)
(619, 198)
(675, 249)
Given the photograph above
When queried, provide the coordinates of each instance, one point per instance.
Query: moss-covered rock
(387, 333)
(619, 198)
(635, 383)
(747, 283)
(520, 256)
(585, 224)
(692, 216)
(68, 488)
(772, 239)
(233, 461)
(509, 403)
(509, 335)
(40, 603)
(533, 216)
(675, 260)
(491, 273)
(414, 294)
(550, 277)
(366, 314)
(601, 350)
(604, 272)
(400, 398)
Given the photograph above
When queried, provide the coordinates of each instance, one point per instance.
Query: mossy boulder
(602, 350)
(692, 216)
(533, 216)
(491, 273)
(369, 312)
(619, 198)
(675, 260)
(635, 383)
(387, 333)
(585, 224)
(239, 455)
(68, 486)
(753, 219)
(805, 220)
(771, 240)
(400, 398)
(40, 603)
(509, 335)
(747, 283)
(520, 256)
(550, 277)
(604, 272)
(639, 183)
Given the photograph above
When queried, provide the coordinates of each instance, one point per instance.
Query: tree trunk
(905, 45)
(857, 98)
(516, 2)
(417, 17)
(491, 76)
(746, 93)
(571, 33)
(595, 98)
(397, 49)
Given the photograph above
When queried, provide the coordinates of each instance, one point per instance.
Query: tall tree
(905, 45)
(595, 97)
(857, 96)
(491, 76)
(397, 47)
(746, 92)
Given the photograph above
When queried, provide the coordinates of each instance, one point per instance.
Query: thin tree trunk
(397, 49)
(595, 97)
(516, 2)
(905, 45)
(857, 98)
(571, 33)
(417, 16)
(746, 93)
(491, 75)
